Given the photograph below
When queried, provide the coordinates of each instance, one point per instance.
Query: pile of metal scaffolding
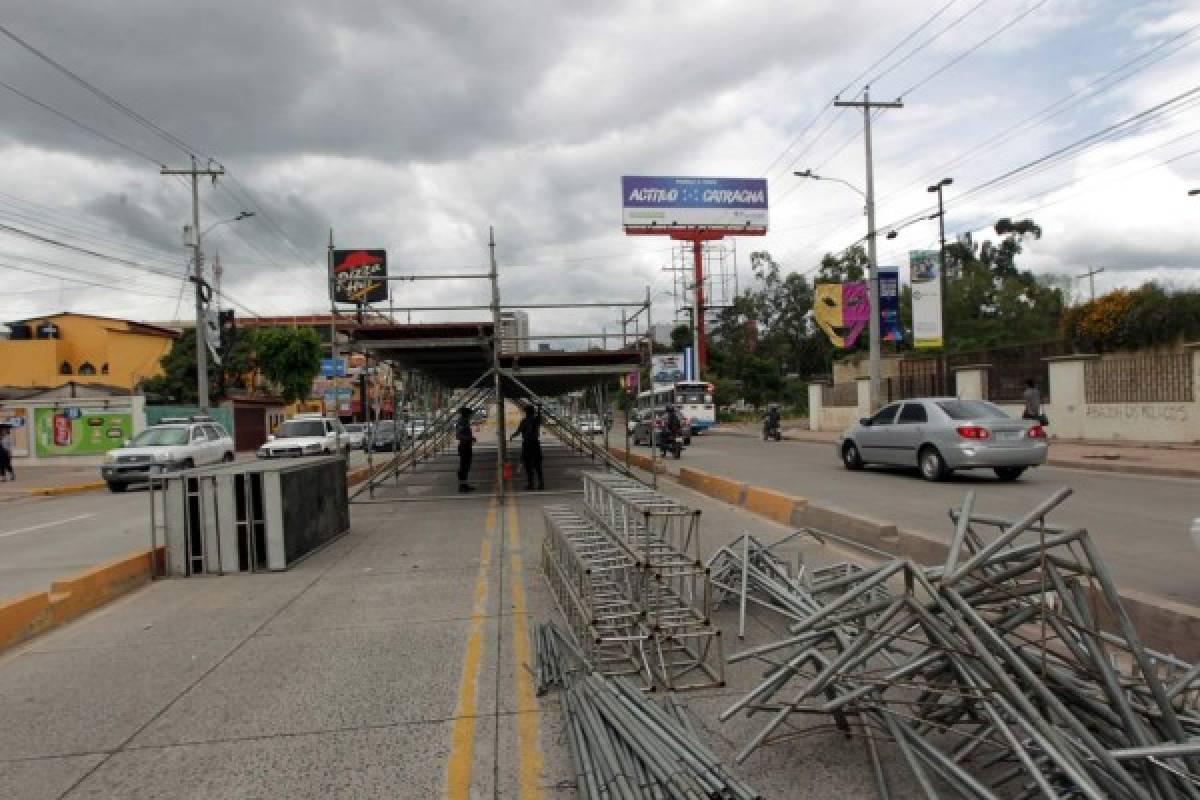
(634, 598)
(672, 585)
(990, 673)
(623, 745)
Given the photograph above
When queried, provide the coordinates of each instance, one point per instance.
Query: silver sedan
(941, 434)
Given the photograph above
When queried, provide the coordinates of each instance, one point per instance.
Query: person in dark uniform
(531, 447)
(466, 438)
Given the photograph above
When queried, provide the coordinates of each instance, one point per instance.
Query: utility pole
(1091, 276)
(941, 215)
(501, 441)
(873, 279)
(210, 171)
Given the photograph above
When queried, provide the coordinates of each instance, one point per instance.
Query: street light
(941, 215)
(808, 173)
(894, 232)
(201, 323)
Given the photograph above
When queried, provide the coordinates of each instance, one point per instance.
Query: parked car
(590, 424)
(305, 435)
(354, 435)
(386, 437)
(166, 447)
(939, 435)
(416, 427)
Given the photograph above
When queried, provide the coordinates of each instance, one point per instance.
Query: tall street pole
(198, 278)
(501, 432)
(872, 259)
(941, 214)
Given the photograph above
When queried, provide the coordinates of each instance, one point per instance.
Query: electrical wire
(921, 48)
(77, 280)
(84, 126)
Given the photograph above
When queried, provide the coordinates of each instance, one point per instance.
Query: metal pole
(696, 335)
(201, 325)
(698, 314)
(332, 325)
(500, 428)
(873, 266)
(650, 356)
(873, 276)
(942, 266)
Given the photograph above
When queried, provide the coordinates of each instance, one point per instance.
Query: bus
(693, 400)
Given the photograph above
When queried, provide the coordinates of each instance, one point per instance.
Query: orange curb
(773, 505)
(54, 491)
(732, 492)
(28, 615)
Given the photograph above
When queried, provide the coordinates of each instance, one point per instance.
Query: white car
(166, 447)
(305, 435)
(591, 424)
(355, 435)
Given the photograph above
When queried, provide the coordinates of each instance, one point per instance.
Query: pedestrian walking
(466, 438)
(1032, 397)
(6, 468)
(531, 447)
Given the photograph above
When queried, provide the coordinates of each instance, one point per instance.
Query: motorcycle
(669, 442)
(771, 430)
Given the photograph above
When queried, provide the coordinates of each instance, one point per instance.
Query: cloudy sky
(413, 126)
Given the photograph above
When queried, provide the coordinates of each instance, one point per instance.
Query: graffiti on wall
(1151, 412)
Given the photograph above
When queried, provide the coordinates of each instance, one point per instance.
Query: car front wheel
(933, 466)
(851, 457)
(113, 486)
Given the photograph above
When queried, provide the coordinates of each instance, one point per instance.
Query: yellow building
(50, 351)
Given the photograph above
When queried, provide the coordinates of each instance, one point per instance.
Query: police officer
(531, 447)
(466, 438)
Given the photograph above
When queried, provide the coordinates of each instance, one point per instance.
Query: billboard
(924, 274)
(890, 329)
(359, 276)
(78, 431)
(667, 370)
(842, 310)
(731, 203)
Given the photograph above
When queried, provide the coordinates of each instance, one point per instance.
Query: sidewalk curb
(74, 488)
(28, 615)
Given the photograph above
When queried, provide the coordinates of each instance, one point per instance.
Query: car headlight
(264, 452)
(110, 457)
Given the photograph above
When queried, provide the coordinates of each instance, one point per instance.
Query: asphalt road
(1141, 523)
(46, 538)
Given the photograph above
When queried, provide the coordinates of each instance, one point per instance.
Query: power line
(107, 98)
(85, 251)
(921, 47)
(82, 281)
(61, 115)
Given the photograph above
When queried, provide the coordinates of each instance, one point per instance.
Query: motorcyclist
(771, 420)
(672, 426)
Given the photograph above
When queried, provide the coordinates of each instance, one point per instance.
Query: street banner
(689, 364)
(890, 329)
(667, 370)
(667, 202)
(842, 310)
(923, 273)
(359, 276)
(80, 431)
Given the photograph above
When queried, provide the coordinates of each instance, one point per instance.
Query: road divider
(28, 615)
(732, 492)
(641, 462)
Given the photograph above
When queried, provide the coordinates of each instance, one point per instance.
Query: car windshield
(295, 428)
(159, 437)
(971, 409)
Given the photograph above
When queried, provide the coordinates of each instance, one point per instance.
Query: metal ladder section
(674, 589)
(591, 579)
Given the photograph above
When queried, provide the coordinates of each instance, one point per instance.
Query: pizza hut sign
(359, 276)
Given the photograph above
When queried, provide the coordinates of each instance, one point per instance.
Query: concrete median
(732, 492)
(28, 615)
(774, 505)
(635, 460)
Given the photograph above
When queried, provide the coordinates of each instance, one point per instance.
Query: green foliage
(681, 337)
(1127, 320)
(177, 383)
(290, 358)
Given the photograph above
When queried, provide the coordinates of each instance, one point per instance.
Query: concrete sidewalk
(57, 479)
(1176, 460)
(392, 663)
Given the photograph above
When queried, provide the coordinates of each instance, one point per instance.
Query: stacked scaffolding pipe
(623, 745)
(671, 586)
(990, 673)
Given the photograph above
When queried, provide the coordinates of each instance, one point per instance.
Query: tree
(177, 383)
(289, 358)
(681, 337)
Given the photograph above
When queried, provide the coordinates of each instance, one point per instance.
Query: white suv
(173, 444)
(305, 435)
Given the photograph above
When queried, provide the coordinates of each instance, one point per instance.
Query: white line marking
(33, 528)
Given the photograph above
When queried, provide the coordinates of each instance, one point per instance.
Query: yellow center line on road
(528, 719)
(462, 738)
